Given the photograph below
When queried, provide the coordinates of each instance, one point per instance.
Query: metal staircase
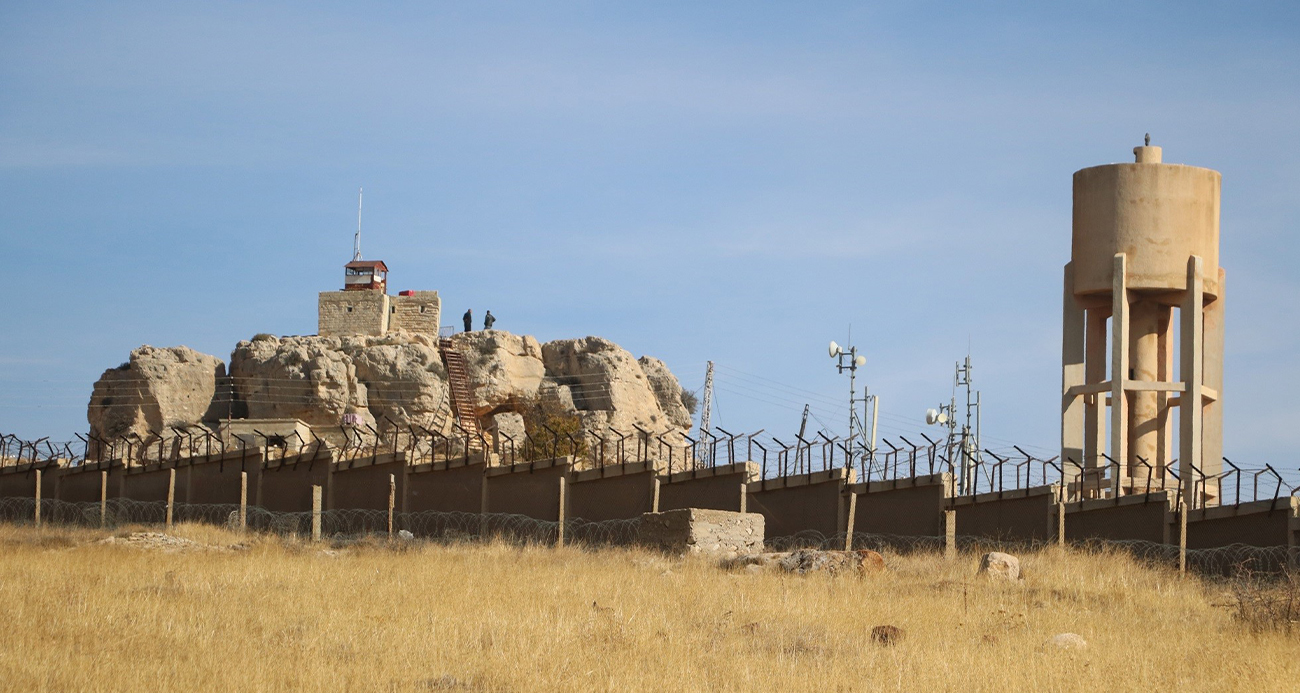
(458, 385)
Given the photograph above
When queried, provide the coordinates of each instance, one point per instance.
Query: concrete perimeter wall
(1144, 517)
(528, 488)
(613, 492)
(717, 488)
(805, 502)
(789, 505)
(911, 507)
(1259, 523)
(1017, 515)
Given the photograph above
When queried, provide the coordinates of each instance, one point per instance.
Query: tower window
(349, 309)
(422, 308)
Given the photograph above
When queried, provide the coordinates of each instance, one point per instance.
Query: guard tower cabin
(364, 307)
(365, 275)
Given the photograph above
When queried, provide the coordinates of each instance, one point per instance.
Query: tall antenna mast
(705, 419)
(356, 240)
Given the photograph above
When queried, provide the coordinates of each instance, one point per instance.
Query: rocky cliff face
(155, 390)
(396, 379)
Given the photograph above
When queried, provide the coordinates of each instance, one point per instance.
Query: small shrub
(263, 337)
(689, 401)
(541, 414)
(1267, 604)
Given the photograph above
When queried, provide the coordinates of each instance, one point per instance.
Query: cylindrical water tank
(1156, 214)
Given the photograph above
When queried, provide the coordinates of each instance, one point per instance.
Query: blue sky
(738, 182)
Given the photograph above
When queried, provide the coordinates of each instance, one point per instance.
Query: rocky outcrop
(609, 388)
(398, 379)
(156, 389)
(319, 379)
(502, 367)
(668, 392)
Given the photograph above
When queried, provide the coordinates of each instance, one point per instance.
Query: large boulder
(319, 379)
(503, 368)
(609, 388)
(668, 392)
(158, 388)
(1000, 566)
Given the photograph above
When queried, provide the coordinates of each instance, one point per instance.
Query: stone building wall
(352, 312)
(419, 313)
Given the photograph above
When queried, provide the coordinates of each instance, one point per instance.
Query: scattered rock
(887, 635)
(803, 561)
(1066, 641)
(405, 535)
(1001, 566)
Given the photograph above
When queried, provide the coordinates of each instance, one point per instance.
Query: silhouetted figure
(488, 321)
(469, 319)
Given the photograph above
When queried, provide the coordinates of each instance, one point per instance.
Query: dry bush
(1267, 603)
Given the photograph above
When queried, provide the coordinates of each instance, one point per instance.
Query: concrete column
(1145, 431)
(1119, 352)
(1191, 358)
(950, 534)
(1094, 414)
(848, 525)
(315, 512)
(1165, 450)
(1072, 374)
(563, 515)
(37, 516)
(243, 501)
(1212, 411)
(171, 496)
(103, 499)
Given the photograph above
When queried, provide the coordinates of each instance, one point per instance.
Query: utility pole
(849, 360)
(705, 421)
(971, 455)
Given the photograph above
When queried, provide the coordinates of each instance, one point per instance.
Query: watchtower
(1145, 249)
(364, 307)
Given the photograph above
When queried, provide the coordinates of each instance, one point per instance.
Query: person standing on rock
(469, 319)
(488, 321)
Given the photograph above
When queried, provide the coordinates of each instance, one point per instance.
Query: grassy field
(81, 615)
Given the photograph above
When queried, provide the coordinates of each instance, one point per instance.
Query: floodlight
(835, 349)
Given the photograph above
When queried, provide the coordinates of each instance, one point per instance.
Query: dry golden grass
(282, 615)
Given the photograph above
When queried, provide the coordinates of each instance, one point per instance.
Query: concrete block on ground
(709, 532)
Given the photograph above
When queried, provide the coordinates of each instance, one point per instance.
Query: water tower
(1144, 258)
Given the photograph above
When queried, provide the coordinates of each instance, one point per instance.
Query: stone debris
(163, 542)
(404, 535)
(1001, 566)
(887, 635)
(1066, 641)
(803, 561)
